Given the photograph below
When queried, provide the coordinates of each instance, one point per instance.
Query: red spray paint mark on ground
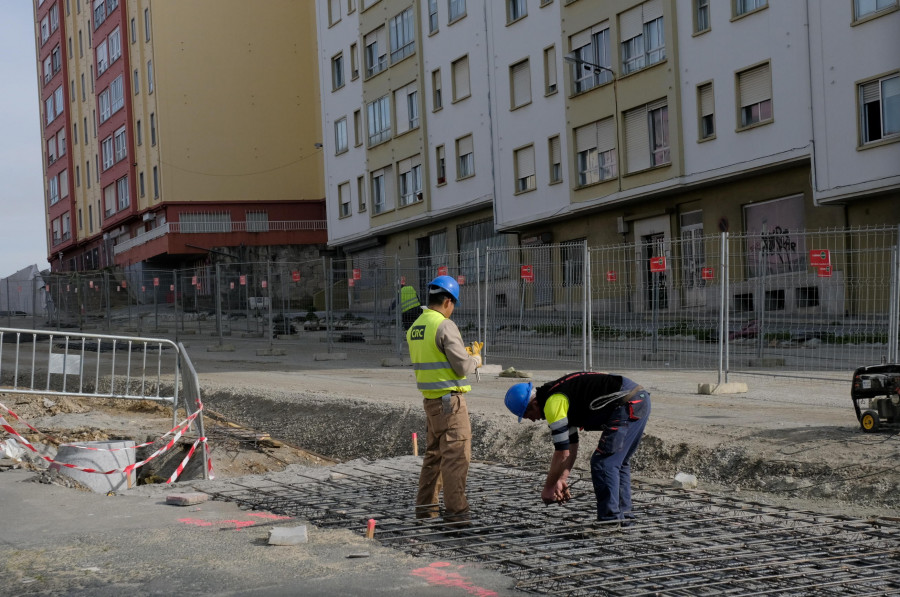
(196, 522)
(238, 524)
(434, 574)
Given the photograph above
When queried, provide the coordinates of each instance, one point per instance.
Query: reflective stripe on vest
(434, 375)
(408, 298)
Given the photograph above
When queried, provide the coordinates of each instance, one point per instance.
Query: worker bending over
(591, 401)
(441, 363)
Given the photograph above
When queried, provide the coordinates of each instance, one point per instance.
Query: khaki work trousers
(446, 462)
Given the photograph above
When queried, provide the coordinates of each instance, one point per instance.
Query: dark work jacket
(582, 389)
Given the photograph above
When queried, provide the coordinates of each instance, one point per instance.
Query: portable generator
(879, 387)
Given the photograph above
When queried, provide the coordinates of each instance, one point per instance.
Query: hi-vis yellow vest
(408, 298)
(434, 375)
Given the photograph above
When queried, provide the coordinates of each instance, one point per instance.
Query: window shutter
(637, 140)
(382, 45)
(64, 184)
(402, 109)
(580, 39)
(653, 9)
(525, 162)
(551, 66)
(606, 135)
(706, 100)
(585, 137)
(870, 92)
(631, 23)
(755, 85)
(370, 37)
(461, 77)
(335, 10)
(521, 79)
(555, 157)
(404, 166)
(465, 145)
(109, 198)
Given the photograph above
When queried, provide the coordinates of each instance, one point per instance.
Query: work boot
(461, 520)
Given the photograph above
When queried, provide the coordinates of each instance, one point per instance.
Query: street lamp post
(597, 69)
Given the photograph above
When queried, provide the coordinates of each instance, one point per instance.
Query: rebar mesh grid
(683, 542)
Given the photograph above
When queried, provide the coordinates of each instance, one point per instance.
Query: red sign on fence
(243, 280)
(232, 285)
(442, 271)
(460, 279)
(264, 283)
(402, 280)
(171, 288)
(824, 271)
(820, 257)
(657, 264)
(351, 282)
(295, 276)
(527, 273)
(124, 284)
(707, 273)
(357, 274)
(156, 281)
(611, 276)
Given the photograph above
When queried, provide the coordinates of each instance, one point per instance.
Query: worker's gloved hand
(469, 350)
(476, 347)
(477, 358)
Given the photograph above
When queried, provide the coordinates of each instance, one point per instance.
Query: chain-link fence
(790, 302)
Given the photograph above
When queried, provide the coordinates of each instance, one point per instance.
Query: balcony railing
(216, 227)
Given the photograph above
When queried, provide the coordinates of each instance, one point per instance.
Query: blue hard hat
(447, 284)
(517, 398)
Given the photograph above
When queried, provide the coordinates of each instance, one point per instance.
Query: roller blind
(606, 135)
(464, 145)
(637, 139)
(402, 110)
(525, 162)
(555, 157)
(631, 23)
(550, 57)
(461, 78)
(653, 9)
(404, 165)
(521, 79)
(755, 85)
(586, 137)
(580, 39)
(871, 92)
(109, 198)
(706, 100)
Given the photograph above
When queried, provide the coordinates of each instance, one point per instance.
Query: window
(692, 258)
(706, 111)
(117, 94)
(109, 200)
(64, 184)
(149, 76)
(106, 149)
(99, 12)
(49, 110)
(376, 59)
(155, 182)
(643, 35)
(54, 17)
(48, 70)
(410, 180)
(465, 157)
(105, 110)
(701, 16)
(523, 161)
(51, 150)
(520, 84)
(550, 70)
(456, 9)
(60, 100)
(357, 128)
(880, 102)
(61, 142)
(344, 200)
(133, 31)
(555, 160)
(403, 35)
(440, 165)
(87, 172)
(595, 152)
(354, 62)
(864, 8)
(141, 183)
(57, 236)
(340, 135)
(120, 146)
(406, 103)
(647, 136)
(378, 116)
(53, 189)
(460, 70)
(140, 133)
(515, 10)
(334, 11)
(337, 71)
(122, 192)
(378, 192)
(66, 226)
(742, 7)
(136, 81)
(146, 24)
(437, 101)
(45, 30)
(361, 193)
(56, 59)
(83, 96)
(351, 6)
(432, 16)
(115, 45)
(153, 129)
(591, 47)
(755, 96)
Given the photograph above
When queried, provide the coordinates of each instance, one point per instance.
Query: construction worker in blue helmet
(591, 401)
(441, 363)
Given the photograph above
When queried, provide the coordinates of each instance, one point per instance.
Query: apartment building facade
(167, 140)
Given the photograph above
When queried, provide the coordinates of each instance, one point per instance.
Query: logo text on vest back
(417, 332)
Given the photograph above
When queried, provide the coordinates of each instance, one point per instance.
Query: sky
(23, 237)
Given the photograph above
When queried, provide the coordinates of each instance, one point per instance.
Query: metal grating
(684, 543)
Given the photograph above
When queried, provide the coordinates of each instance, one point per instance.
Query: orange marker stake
(415, 444)
(370, 529)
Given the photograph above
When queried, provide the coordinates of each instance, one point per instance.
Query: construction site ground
(792, 443)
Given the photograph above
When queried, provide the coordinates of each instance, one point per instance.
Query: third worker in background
(441, 363)
(613, 404)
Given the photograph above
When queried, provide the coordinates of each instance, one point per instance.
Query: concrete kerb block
(220, 348)
(271, 352)
(396, 362)
(722, 388)
(330, 356)
(186, 499)
(288, 535)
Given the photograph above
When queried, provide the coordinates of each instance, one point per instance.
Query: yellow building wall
(237, 100)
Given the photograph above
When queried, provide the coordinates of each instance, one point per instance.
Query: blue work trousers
(611, 462)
